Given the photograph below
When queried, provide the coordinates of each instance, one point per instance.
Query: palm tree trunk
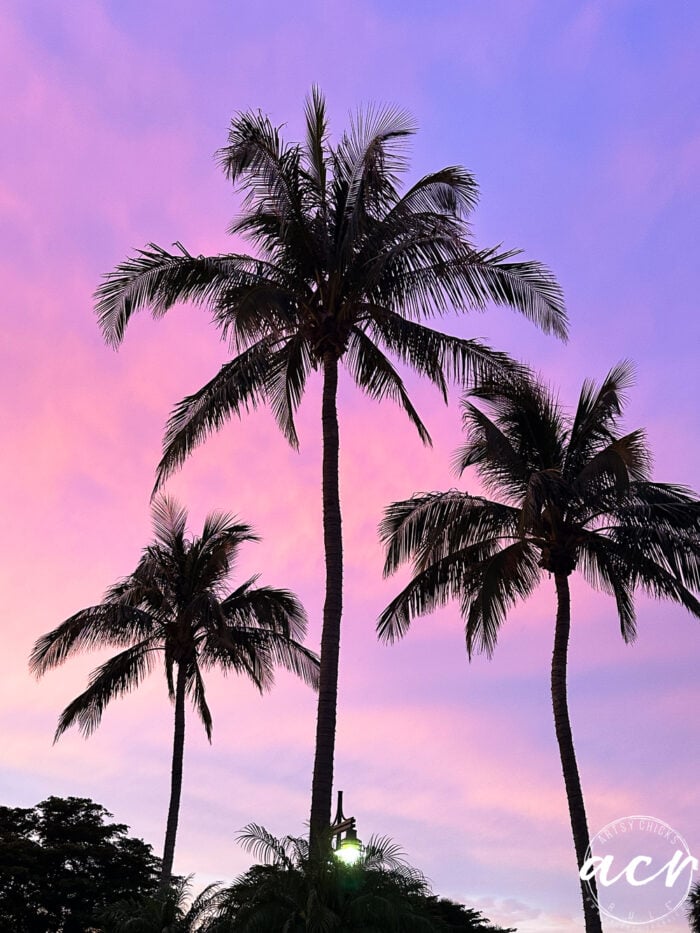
(572, 781)
(175, 778)
(322, 786)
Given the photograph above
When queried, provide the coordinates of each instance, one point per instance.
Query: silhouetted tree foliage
(170, 910)
(293, 893)
(62, 863)
(456, 918)
(694, 908)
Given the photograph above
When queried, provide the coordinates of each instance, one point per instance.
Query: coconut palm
(175, 604)
(347, 266)
(576, 495)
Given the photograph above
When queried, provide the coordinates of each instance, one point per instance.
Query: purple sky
(581, 121)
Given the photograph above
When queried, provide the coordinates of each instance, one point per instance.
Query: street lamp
(347, 847)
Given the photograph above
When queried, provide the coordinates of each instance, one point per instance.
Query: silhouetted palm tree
(348, 266)
(170, 911)
(576, 496)
(175, 604)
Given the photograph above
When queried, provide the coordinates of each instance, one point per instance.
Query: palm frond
(90, 629)
(440, 357)
(603, 569)
(206, 906)
(158, 279)
(522, 431)
(239, 386)
(662, 562)
(261, 628)
(265, 847)
(451, 191)
(265, 607)
(197, 693)
(381, 853)
(169, 520)
(597, 415)
(373, 373)
(493, 453)
(259, 304)
(212, 556)
(671, 508)
(442, 272)
(269, 171)
(429, 527)
(486, 276)
(546, 495)
(623, 460)
(224, 530)
(117, 676)
(500, 580)
(295, 658)
(287, 383)
(441, 581)
(369, 159)
(255, 158)
(316, 138)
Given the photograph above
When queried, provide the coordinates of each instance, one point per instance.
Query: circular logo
(642, 868)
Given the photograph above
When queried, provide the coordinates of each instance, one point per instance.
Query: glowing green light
(350, 851)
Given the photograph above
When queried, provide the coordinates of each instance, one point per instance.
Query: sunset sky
(581, 122)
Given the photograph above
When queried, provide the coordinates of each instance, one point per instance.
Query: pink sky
(580, 121)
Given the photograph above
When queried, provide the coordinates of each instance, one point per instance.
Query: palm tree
(294, 893)
(347, 267)
(169, 911)
(175, 604)
(576, 495)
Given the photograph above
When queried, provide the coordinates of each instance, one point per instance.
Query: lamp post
(346, 846)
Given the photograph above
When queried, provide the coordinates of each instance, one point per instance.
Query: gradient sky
(581, 121)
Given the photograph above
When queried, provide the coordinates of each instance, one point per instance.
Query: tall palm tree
(176, 604)
(576, 495)
(346, 268)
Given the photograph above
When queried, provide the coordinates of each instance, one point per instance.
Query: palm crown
(576, 495)
(175, 604)
(348, 265)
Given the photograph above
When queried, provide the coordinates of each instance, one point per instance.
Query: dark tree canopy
(62, 863)
(456, 918)
(381, 893)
